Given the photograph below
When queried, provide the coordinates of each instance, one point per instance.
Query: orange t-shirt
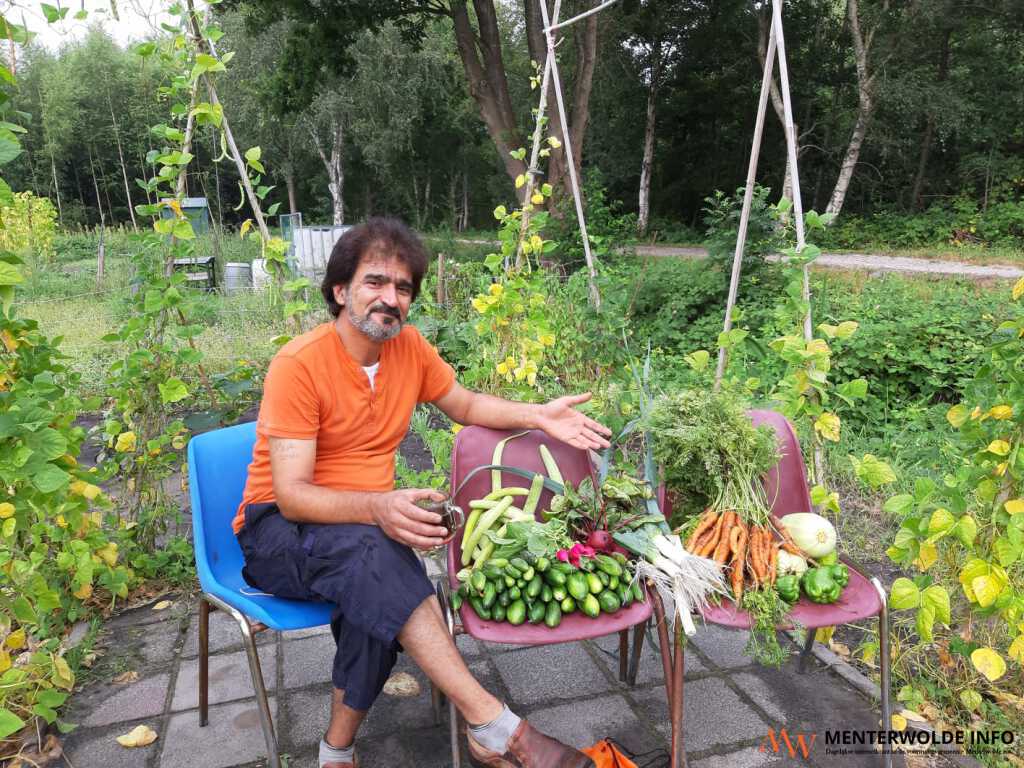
(315, 390)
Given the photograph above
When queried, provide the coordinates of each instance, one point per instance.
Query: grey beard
(373, 329)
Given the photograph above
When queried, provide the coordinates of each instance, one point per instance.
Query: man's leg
(345, 721)
(426, 639)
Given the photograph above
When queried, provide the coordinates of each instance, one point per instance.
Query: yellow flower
(61, 522)
(126, 442)
(6, 510)
(496, 289)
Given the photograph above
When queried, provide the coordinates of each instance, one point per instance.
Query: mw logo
(776, 741)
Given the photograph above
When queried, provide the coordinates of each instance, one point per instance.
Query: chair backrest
(218, 464)
(474, 447)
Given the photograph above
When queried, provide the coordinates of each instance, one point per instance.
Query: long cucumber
(486, 521)
(530, 507)
(471, 521)
(486, 549)
(550, 464)
(496, 459)
(500, 493)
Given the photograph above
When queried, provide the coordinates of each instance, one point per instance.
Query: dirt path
(869, 262)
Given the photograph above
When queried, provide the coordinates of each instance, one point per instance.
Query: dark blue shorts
(374, 582)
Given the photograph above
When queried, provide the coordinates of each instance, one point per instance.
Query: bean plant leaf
(172, 391)
(50, 478)
(9, 274)
(10, 723)
(904, 594)
(989, 663)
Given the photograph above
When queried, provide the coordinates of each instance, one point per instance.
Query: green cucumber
(478, 581)
(504, 600)
(479, 608)
(609, 565)
(590, 606)
(594, 584)
(536, 612)
(577, 586)
(609, 601)
(559, 593)
(514, 593)
(533, 589)
(568, 605)
(542, 564)
(490, 595)
(456, 601)
(554, 578)
(604, 577)
(553, 615)
(516, 612)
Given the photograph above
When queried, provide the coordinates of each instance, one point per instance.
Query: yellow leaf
(927, 557)
(957, 415)
(126, 442)
(1017, 649)
(162, 605)
(1001, 412)
(108, 554)
(817, 347)
(246, 226)
(6, 510)
(899, 722)
(10, 342)
(999, 447)
(61, 522)
(63, 677)
(139, 736)
(16, 640)
(989, 663)
(520, 180)
(537, 198)
(827, 425)
(1018, 289)
(176, 207)
(553, 142)
(1012, 507)
(456, 428)
(84, 592)
(496, 289)
(910, 714)
(88, 490)
(986, 589)
(5, 661)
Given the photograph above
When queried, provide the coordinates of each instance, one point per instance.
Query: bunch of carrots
(747, 549)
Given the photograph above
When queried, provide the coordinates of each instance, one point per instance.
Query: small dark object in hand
(452, 517)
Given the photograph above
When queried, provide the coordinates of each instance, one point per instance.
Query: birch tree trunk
(647, 164)
(124, 169)
(101, 252)
(333, 165)
(56, 188)
(865, 105)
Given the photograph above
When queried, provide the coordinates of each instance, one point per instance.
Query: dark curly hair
(378, 235)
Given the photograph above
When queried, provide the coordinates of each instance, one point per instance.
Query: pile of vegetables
(710, 453)
(538, 589)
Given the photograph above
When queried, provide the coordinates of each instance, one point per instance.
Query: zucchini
(496, 459)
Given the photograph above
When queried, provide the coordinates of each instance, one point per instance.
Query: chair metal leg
(266, 721)
(453, 714)
(638, 646)
(204, 662)
(623, 655)
(805, 652)
(674, 678)
(884, 662)
(436, 702)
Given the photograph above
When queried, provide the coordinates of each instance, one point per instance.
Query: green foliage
(29, 227)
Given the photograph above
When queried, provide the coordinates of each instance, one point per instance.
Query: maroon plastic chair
(474, 447)
(863, 597)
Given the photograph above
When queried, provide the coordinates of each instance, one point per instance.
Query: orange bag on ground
(605, 755)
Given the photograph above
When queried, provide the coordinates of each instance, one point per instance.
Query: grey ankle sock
(495, 735)
(329, 754)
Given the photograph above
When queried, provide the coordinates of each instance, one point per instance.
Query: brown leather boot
(528, 748)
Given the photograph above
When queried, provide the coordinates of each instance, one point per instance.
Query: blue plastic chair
(218, 464)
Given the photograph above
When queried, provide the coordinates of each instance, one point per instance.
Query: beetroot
(601, 540)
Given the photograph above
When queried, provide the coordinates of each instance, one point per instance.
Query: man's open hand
(398, 516)
(561, 420)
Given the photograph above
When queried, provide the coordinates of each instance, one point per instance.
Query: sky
(136, 19)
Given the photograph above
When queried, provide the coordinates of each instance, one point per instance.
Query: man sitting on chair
(320, 518)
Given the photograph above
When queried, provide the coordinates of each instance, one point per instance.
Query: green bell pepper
(788, 588)
(819, 585)
(840, 574)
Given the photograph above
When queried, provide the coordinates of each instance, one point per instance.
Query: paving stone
(308, 660)
(713, 715)
(766, 698)
(550, 672)
(156, 645)
(296, 634)
(146, 615)
(468, 647)
(84, 749)
(750, 757)
(232, 737)
(724, 647)
(651, 669)
(229, 678)
(584, 723)
(107, 703)
(224, 634)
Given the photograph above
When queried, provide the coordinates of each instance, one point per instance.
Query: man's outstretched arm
(559, 418)
(292, 463)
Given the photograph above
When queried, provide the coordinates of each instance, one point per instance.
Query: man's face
(377, 300)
